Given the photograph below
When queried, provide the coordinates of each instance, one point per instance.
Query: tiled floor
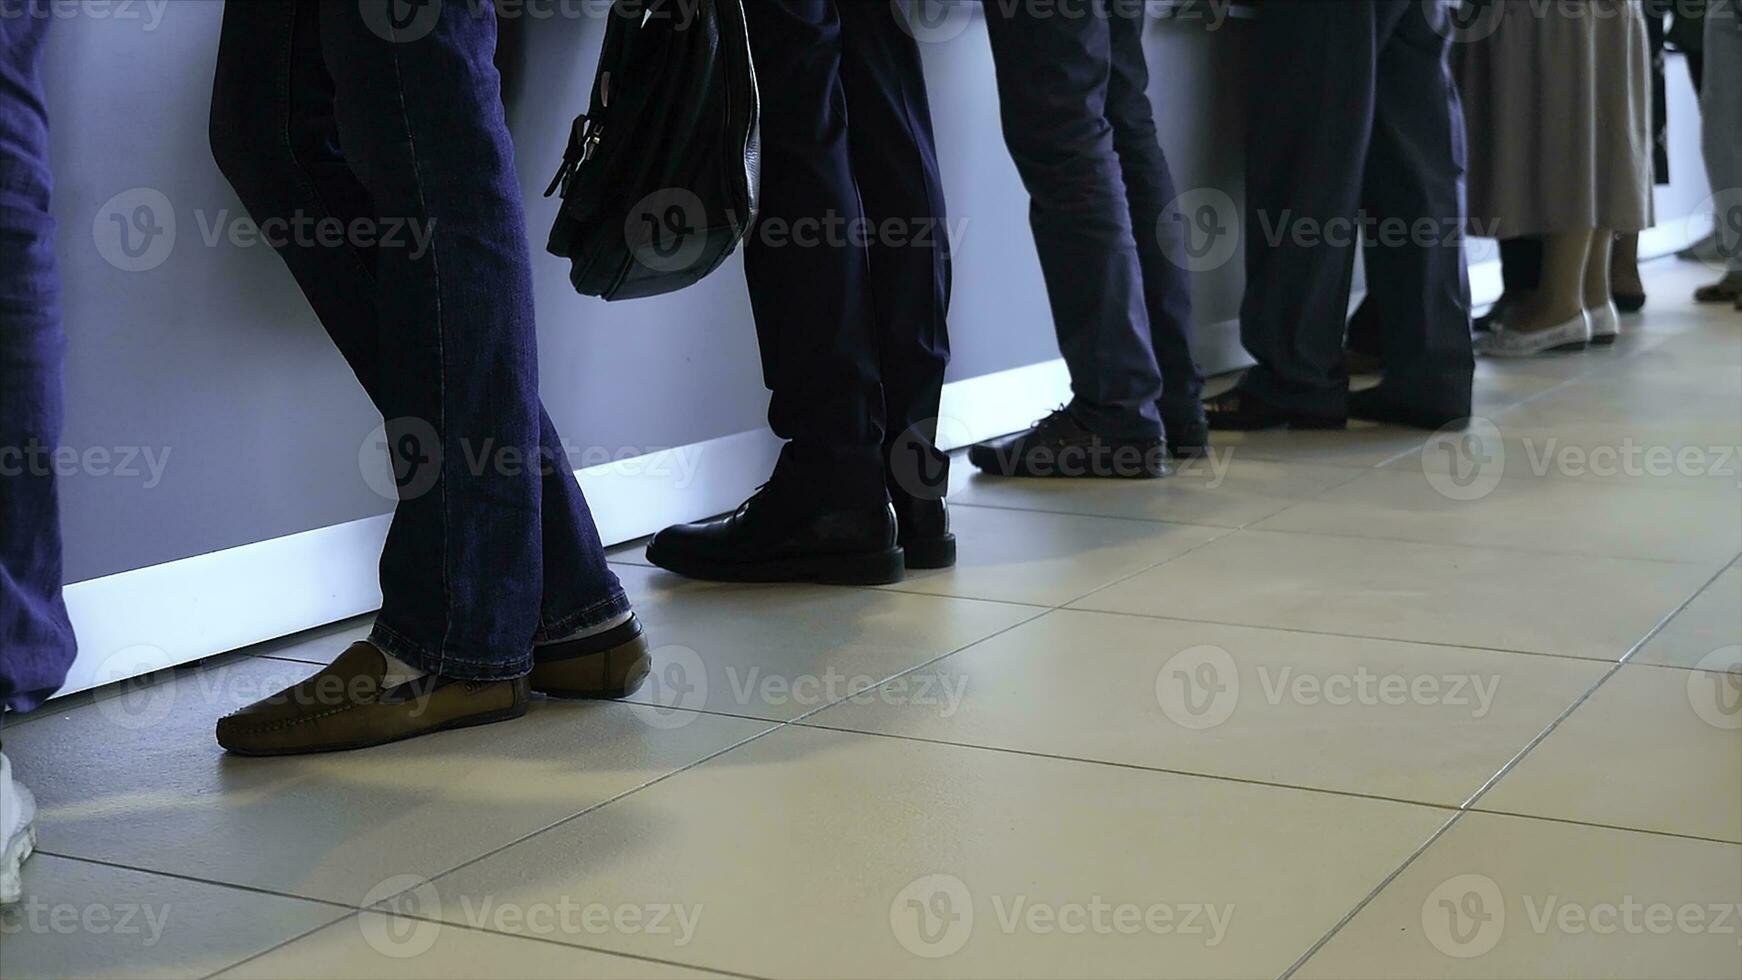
(1326, 705)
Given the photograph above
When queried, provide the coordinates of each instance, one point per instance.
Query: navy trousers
(1354, 109)
(849, 266)
(36, 640)
(358, 113)
(1074, 102)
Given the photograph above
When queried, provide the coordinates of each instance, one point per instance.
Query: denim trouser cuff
(602, 611)
(400, 646)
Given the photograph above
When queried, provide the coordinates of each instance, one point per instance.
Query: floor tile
(1653, 749)
(139, 781)
(1050, 559)
(1562, 516)
(1712, 622)
(78, 919)
(1405, 721)
(378, 946)
(811, 853)
(1593, 607)
(1510, 897)
(1226, 489)
(1362, 444)
(778, 651)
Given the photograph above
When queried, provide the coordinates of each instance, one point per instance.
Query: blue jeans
(387, 115)
(36, 641)
(1074, 101)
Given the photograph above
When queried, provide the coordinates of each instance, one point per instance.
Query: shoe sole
(12, 865)
(604, 676)
(1608, 341)
(932, 553)
(471, 721)
(1575, 347)
(865, 568)
(993, 463)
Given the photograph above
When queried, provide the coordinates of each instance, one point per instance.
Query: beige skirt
(1558, 105)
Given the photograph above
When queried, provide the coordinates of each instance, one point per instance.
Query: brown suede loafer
(344, 706)
(611, 664)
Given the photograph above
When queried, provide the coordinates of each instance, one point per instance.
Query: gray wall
(213, 357)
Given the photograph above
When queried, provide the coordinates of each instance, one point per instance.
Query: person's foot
(1357, 362)
(1375, 405)
(603, 664)
(1059, 446)
(17, 832)
(1573, 334)
(1605, 325)
(1626, 288)
(1188, 436)
(1725, 290)
(923, 531)
(353, 703)
(1496, 313)
(777, 538)
(1241, 411)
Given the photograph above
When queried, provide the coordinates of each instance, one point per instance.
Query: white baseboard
(148, 619)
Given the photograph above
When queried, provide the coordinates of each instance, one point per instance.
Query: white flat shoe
(1605, 324)
(17, 832)
(1572, 335)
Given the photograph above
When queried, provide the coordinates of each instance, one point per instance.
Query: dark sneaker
(1238, 411)
(1187, 438)
(923, 530)
(777, 540)
(345, 706)
(1374, 405)
(1058, 446)
(611, 664)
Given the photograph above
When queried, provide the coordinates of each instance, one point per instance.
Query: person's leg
(1309, 122)
(825, 515)
(437, 327)
(895, 164)
(1721, 112)
(1415, 179)
(36, 637)
(1167, 288)
(1053, 78)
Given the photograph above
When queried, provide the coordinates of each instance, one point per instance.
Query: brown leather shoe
(344, 707)
(611, 664)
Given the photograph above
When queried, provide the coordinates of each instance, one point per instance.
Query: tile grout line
(1468, 805)
(1509, 548)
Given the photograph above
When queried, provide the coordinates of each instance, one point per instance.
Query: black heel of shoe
(931, 553)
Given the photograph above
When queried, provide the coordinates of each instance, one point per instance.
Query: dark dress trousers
(1353, 109)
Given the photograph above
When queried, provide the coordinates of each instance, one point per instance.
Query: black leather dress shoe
(1238, 411)
(924, 531)
(777, 538)
(1373, 405)
(1187, 438)
(1058, 446)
